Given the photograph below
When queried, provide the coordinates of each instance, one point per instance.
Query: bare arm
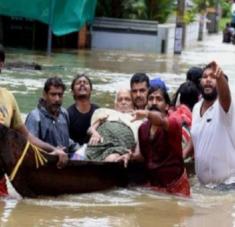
(155, 117)
(34, 140)
(222, 87)
(131, 155)
(63, 158)
(188, 150)
(95, 136)
(136, 155)
(224, 93)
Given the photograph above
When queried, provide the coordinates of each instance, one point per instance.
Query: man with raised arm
(213, 128)
(160, 145)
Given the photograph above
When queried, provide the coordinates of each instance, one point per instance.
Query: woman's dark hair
(187, 93)
(55, 82)
(163, 91)
(194, 74)
(78, 76)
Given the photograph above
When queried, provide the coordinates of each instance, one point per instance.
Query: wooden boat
(76, 177)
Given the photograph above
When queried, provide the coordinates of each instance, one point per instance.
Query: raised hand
(217, 71)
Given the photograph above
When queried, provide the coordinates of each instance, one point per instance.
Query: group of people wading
(145, 125)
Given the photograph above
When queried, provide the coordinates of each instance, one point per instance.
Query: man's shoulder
(174, 122)
(71, 108)
(197, 107)
(145, 125)
(102, 111)
(34, 114)
(63, 110)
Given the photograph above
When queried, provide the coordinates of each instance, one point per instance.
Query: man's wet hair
(208, 66)
(163, 91)
(2, 53)
(139, 78)
(78, 76)
(187, 94)
(55, 82)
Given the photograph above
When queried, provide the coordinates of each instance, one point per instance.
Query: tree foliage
(136, 9)
(225, 5)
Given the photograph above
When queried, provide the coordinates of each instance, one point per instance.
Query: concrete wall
(191, 34)
(161, 41)
(167, 36)
(125, 41)
(124, 34)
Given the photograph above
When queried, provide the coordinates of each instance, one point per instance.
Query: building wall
(125, 41)
(191, 34)
(161, 42)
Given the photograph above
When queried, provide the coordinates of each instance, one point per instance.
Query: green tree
(136, 9)
(159, 9)
(109, 8)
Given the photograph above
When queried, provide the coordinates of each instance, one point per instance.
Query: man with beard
(139, 89)
(50, 121)
(213, 128)
(160, 145)
(81, 111)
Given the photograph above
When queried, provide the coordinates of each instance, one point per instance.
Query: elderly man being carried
(112, 131)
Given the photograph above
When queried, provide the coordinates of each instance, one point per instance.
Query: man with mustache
(213, 128)
(160, 145)
(81, 111)
(50, 121)
(139, 89)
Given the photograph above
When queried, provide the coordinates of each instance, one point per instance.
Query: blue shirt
(50, 129)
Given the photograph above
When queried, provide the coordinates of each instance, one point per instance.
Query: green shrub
(136, 9)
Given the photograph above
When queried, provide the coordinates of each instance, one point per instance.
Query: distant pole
(50, 22)
(179, 29)
(217, 16)
(202, 20)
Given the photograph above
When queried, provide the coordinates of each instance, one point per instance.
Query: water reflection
(114, 208)
(122, 207)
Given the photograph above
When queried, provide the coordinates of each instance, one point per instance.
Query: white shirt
(114, 115)
(213, 137)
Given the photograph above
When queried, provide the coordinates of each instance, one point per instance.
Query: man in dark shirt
(81, 111)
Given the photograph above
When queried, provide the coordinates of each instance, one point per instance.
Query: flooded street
(119, 207)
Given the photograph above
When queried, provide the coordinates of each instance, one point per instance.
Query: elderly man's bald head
(123, 101)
